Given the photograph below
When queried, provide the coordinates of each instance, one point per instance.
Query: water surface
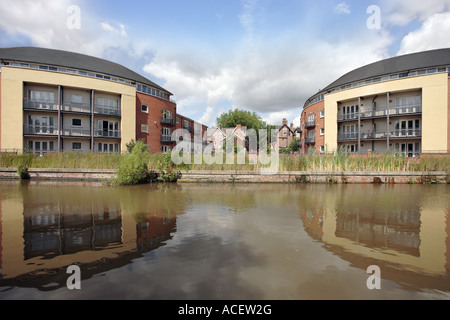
(224, 241)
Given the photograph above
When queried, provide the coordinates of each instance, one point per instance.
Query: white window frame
(144, 128)
(146, 108)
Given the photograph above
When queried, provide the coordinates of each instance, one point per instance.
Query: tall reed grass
(337, 162)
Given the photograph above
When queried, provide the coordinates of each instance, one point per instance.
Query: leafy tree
(248, 119)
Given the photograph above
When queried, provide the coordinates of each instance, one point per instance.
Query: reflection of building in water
(398, 231)
(407, 236)
(55, 230)
(153, 231)
(45, 230)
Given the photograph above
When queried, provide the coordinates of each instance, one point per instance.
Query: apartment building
(398, 104)
(55, 101)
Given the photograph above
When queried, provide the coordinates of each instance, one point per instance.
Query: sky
(264, 56)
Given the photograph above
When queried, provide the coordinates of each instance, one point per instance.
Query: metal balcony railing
(310, 140)
(406, 133)
(100, 133)
(310, 124)
(106, 110)
(76, 132)
(49, 105)
(166, 138)
(348, 136)
(168, 121)
(40, 130)
(76, 107)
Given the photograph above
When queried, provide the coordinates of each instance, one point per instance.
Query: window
(311, 117)
(285, 132)
(77, 98)
(167, 114)
(322, 131)
(76, 145)
(144, 108)
(165, 149)
(144, 128)
(178, 120)
(322, 149)
(76, 122)
(322, 113)
(42, 96)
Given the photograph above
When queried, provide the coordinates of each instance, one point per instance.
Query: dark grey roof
(74, 60)
(404, 63)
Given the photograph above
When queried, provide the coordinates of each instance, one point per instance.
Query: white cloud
(433, 34)
(342, 8)
(262, 80)
(109, 28)
(45, 24)
(401, 13)
(276, 118)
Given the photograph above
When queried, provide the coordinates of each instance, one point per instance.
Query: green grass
(304, 162)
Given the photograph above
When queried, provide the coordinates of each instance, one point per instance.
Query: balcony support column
(92, 119)
(359, 124)
(60, 99)
(388, 110)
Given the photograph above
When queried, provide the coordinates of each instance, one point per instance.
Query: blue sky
(265, 56)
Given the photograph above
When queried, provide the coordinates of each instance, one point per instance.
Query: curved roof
(74, 60)
(404, 63)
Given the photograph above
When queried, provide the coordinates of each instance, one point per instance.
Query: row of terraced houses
(53, 100)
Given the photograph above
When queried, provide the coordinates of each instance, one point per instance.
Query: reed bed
(338, 162)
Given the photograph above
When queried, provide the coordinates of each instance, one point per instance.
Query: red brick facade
(150, 118)
(318, 126)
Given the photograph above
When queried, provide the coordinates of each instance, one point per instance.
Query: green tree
(248, 119)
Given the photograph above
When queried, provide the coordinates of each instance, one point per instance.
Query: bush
(22, 171)
(166, 171)
(133, 168)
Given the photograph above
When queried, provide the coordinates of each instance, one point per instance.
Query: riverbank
(229, 176)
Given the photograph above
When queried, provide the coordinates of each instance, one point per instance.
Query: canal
(224, 241)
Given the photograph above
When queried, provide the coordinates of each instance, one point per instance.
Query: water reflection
(403, 230)
(74, 223)
(233, 241)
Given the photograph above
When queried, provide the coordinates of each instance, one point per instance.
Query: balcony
(405, 110)
(40, 130)
(113, 134)
(76, 107)
(76, 132)
(167, 121)
(380, 135)
(347, 116)
(349, 136)
(310, 140)
(45, 105)
(310, 124)
(166, 138)
(406, 133)
(107, 110)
